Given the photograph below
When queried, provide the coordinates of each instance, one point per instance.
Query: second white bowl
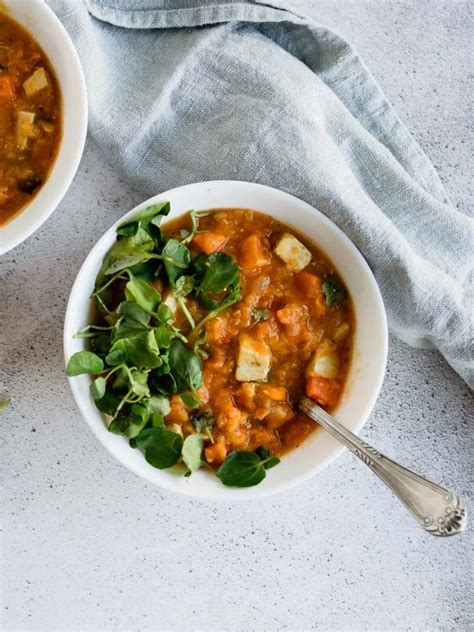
(40, 21)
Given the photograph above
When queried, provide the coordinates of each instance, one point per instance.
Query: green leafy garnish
(260, 314)
(203, 423)
(216, 274)
(334, 291)
(177, 258)
(246, 469)
(185, 366)
(143, 293)
(192, 451)
(139, 356)
(98, 387)
(130, 424)
(162, 447)
(84, 362)
(141, 350)
(191, 400)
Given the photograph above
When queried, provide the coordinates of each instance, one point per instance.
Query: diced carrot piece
(323, 390)
(7, 89)
(217, 331)
(262, 331)
(245, 396)
(292, 314)
(216, 452)
(277, 393)
(254, 253)
(308, 283)
(178, 413)
(210, 242)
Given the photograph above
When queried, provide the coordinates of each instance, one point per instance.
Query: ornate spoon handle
(437, 510)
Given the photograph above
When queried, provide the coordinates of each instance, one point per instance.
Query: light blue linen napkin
(189, 90)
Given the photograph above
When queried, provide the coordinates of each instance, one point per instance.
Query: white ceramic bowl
(370, 345)
(38, 19)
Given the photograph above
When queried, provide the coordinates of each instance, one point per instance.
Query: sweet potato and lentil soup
(208, 331)
(30, 118)
(283, 317)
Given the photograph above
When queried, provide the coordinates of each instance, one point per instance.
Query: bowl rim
(73, 138)
(225, 493)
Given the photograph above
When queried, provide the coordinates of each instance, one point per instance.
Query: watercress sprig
(137, 355)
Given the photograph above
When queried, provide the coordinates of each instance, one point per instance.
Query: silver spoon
(437, 510)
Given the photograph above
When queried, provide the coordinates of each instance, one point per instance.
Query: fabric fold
(182, 91)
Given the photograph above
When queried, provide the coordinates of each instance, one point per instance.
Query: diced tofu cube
(25, 128)
(341, 332)
(325, 361)
(36, 82)
(253, 361)
(294, 254)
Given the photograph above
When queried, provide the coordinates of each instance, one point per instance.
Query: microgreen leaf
(219, 272)
(203, 423)
(108, 403)
(138, 382)
(163, 336)
(268, 461)
(130, 424)
(84, 362)
(162, 447)
(144, 216)
(241, 469)
(185, 367)
(260, 315)
(184, 285)
(177, 258)
(158, 404)
(333, 290)
(141, 350)
(246, 469)
(143, 293)
(190, 399)
(115, 358)
(192, 451)
(97, 387)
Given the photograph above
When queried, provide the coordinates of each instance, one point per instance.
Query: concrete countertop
(89, 546)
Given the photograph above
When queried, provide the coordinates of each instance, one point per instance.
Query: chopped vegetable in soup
(208, 333)
(30, 118)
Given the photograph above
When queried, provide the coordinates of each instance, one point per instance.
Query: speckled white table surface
(89, 546)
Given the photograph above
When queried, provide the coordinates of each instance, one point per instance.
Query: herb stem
(102, 304)
(186, 311)
(173, 262)
(116, 276)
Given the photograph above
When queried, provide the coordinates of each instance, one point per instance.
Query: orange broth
(254, 414)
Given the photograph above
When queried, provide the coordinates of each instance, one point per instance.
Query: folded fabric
(182, 91)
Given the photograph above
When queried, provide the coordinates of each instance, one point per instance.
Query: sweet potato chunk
(323, 390)
(210, 242)
(254, 252)
(7, 89)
